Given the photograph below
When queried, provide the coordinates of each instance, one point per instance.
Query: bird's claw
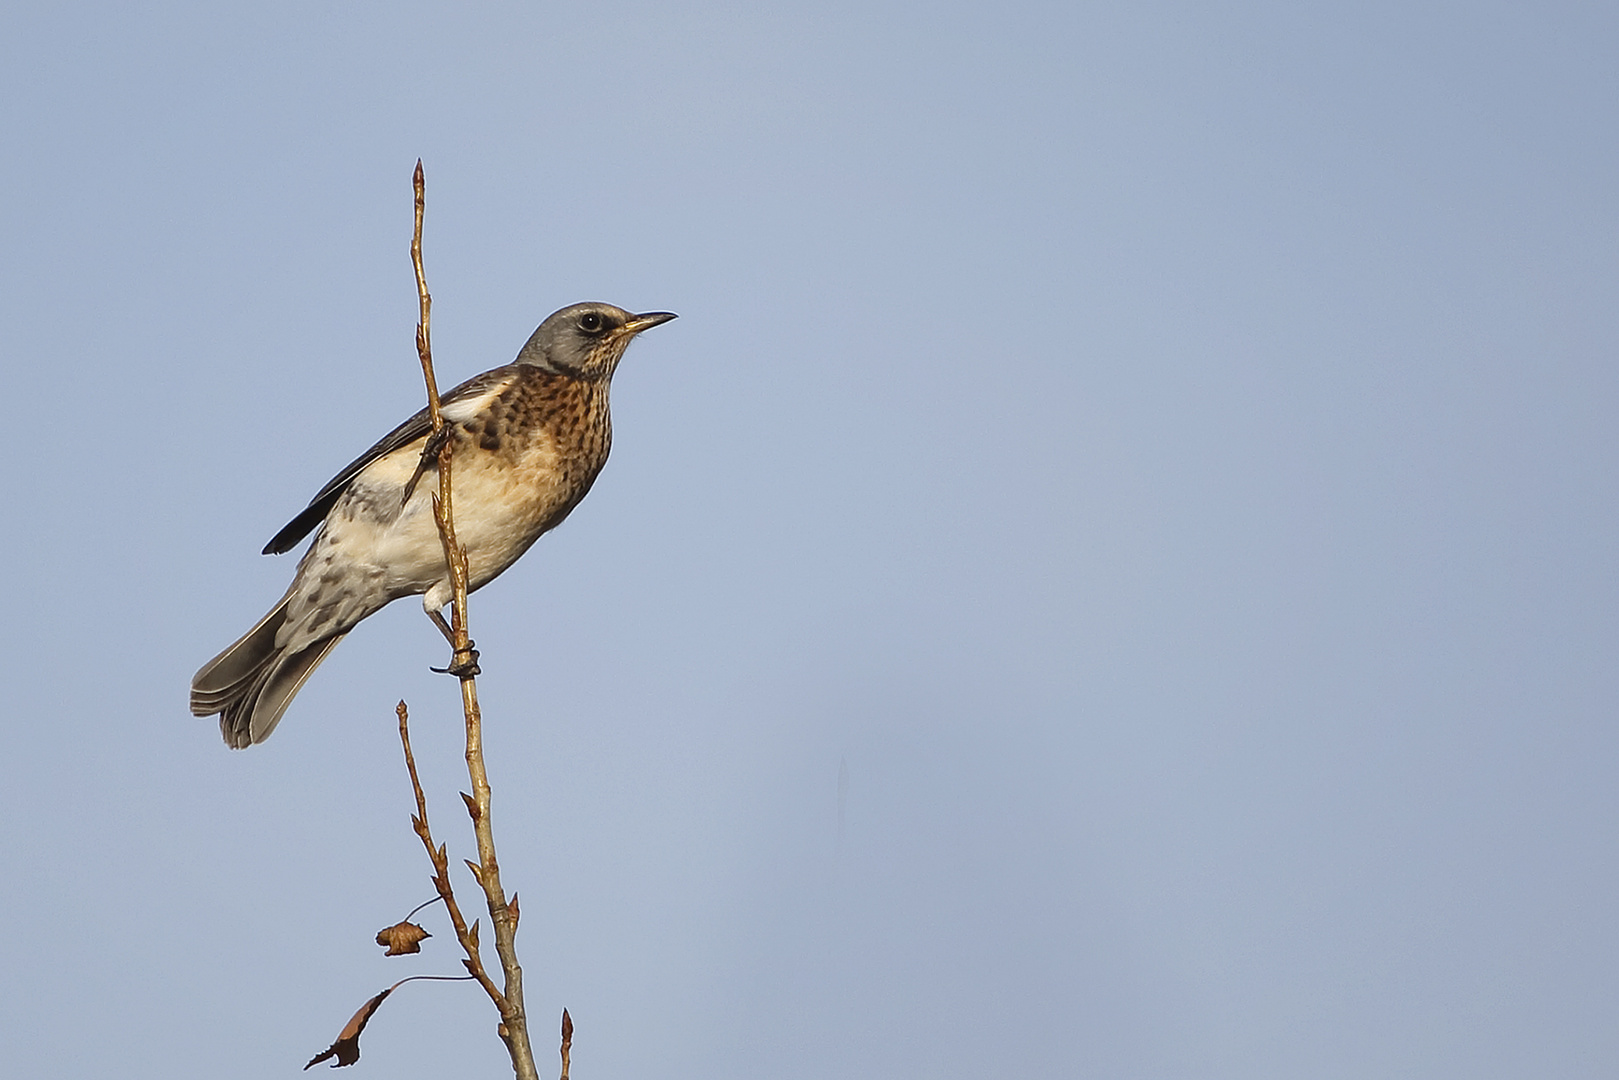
(463, 665)
(429, 459)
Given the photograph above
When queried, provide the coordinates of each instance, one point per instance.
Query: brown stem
(514, 1021)
(441, 872)
(424, 348)
(567, 1042)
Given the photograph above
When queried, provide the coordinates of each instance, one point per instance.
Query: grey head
(586, 341)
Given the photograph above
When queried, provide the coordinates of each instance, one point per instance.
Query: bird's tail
(251, 683)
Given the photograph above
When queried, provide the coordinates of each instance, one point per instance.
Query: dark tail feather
(228, 676)
(251, 683)
(250, 718)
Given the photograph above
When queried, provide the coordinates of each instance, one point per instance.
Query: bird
(528, 439)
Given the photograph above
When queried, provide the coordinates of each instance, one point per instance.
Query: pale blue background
(1166, 452)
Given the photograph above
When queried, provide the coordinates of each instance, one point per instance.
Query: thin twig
(424, 347)
(514, 1021)
(567, 1042)
(468, 937)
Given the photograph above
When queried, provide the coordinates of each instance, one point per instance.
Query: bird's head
(586, 341)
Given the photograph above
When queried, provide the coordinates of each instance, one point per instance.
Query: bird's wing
(459, 404)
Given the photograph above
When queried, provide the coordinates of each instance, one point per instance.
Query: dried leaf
(402, 938)
(347, 1047)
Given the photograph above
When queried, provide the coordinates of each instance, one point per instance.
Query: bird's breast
(521, 467)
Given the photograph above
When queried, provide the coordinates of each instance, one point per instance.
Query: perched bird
(529, 439)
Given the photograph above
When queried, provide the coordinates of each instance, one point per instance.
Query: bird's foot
(463, 665)
(429, 459)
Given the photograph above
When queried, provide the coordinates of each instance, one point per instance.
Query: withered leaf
(402, 938)
(347, 1047)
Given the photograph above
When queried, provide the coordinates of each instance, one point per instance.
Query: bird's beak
(647, 321)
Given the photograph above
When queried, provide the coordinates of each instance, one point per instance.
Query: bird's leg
(464, 662)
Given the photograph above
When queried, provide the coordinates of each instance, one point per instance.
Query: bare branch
(424, 348)
(567, 1042)
(441, 872)
(514, 1022)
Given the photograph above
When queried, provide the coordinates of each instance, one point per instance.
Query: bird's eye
(590, 323)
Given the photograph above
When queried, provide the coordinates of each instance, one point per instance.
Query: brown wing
(415, 428)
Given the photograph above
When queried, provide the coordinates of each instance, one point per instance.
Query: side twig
(467, 936)
(567, 1043)
(514, 1021)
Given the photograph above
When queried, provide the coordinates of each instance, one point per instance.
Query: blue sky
(1161, 453)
